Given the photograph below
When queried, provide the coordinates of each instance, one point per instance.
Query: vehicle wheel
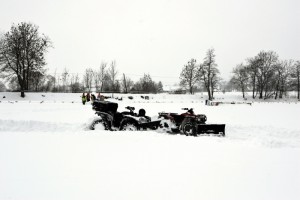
(189, 129)
(98, 123)
(223, 134)
(165, 126)
(129, 126)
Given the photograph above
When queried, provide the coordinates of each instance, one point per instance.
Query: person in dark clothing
(142, 113)
(99, 96)
(88, 97)
(83, 97)
(93, 97)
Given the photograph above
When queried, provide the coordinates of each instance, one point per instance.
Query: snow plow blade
(211, 129)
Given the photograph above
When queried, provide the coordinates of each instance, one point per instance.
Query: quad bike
(127, 120)
(189, 123)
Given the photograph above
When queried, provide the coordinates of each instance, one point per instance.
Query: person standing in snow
(102, 98)
(83, 97)
(99, 96)
(88, 97)
(93, 98)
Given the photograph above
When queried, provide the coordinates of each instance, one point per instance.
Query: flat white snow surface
(46, 152)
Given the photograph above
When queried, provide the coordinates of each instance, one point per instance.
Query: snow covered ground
(47, 153)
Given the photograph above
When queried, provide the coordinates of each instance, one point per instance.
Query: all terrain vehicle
(189, 123)
(126, 120)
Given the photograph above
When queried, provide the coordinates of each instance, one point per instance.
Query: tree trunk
(208, 87)
(260, 94)
(22, 89)
(209, 94)
(265, 96)
(190, 87)
(27, 79)
(243, 91)
(212, 90)
(280, 94)
(298, 85)
(254, 89)
(125, 83)
(22, 94)
(277, 89)
(21, 84)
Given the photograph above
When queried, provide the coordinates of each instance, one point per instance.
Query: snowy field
(46, 152)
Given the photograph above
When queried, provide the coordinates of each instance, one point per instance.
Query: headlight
(201, 118)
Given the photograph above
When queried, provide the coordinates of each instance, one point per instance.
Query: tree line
(103, 79)
(266, 76)
(22, 65)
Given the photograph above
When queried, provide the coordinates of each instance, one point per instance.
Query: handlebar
(187, 108)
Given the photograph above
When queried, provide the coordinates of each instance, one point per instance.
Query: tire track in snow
(268, 136)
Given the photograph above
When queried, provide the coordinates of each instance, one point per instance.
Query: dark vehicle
(127, 120)
(189, 123)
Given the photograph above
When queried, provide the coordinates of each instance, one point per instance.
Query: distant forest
(265, 75)
(22, 68)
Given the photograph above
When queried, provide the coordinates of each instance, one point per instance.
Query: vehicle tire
(165, 126)
(97, 122)
(189, 129)
(129, 126)
(223, 134)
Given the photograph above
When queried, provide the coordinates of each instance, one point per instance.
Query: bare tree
(49, 83)
(99, 77)
(117, 86)
(296, 75)
(102, 75)
(88, 78)
(112, 73)
(209, 73)
(189, 75)
(65, 79)
(96, 76)
(282, 74)
(267, 62)
(146, 85)
(37, 79)
(22, 52)
(215, 81)
(75, 84)
(252, 69)
(160, 87)
(127, 83)
(268, 76)
(54, 81)
(240, 77)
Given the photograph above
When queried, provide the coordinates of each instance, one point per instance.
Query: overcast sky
(158, 36)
